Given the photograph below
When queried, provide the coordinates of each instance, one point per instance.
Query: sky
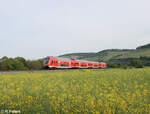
(38, 28)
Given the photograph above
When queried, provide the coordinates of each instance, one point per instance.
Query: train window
(55, 62)
(65, 65)
(83, 65)
(46, 61)
(76, 63)
(52, 62)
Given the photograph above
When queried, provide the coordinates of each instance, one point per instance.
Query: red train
(59, 62)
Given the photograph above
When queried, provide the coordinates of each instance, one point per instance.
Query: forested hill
(112, 54)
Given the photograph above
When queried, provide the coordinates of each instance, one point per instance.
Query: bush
(136, 63)
(113, 65)
(124, 66)
(34, 65)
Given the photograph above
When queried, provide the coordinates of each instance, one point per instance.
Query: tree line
(129, 63)
(19, 63)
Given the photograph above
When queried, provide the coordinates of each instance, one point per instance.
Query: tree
(21, 63)
(13, 64)
(113, 65)
(4, 58)
(4, 64)
(34, 65)
(136, 63)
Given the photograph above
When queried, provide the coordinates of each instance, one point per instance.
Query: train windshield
(46, 61)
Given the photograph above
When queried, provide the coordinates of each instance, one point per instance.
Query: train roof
(103, 63)
(88, 61)
(68, 59)
(63, 59)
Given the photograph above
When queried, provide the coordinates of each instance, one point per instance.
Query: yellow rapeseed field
(88, 91)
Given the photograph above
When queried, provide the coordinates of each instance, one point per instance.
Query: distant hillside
(112, 54)
(144, 47)
(79, 55)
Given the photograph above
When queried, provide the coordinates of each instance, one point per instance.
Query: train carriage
(75, 63)
(59, 62)
(83, 64)
(64, 62)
